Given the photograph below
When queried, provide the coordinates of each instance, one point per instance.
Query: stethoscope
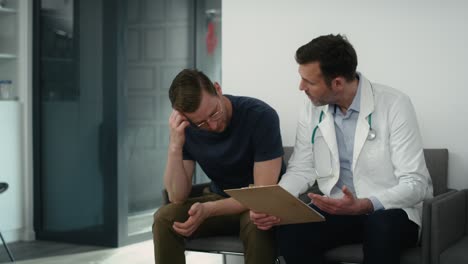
(370, 136)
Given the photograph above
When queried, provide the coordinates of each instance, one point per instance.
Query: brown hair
(185, 90)
(335, 55)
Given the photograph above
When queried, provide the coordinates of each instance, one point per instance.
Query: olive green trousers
(169, 246)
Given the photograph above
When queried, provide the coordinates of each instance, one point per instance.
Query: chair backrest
(436, 160)
(437, 164)
(288, 150)
(3, 186)
(466, 211)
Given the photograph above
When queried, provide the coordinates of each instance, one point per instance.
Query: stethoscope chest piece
(372, 135)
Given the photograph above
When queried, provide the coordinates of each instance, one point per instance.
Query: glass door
(74, 121)
(208, 42)
(102, 73)
(162, 38)
(159, 43)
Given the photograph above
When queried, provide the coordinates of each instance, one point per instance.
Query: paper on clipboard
(274, 200)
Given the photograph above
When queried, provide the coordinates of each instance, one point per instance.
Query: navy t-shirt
(227, 158)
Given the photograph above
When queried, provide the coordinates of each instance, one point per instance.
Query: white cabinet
(9, 43)
(12, 200)
(16, 120)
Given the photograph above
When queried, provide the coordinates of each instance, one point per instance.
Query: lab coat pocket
(374, 152)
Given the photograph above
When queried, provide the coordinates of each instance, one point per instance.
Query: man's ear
(338, 84)
(218, 89)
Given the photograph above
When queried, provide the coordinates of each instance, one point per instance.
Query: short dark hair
(335, 55)
(186, 88)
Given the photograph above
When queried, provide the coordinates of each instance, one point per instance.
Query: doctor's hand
(177, 125)
(197, 214)
(346, 205)
(264, 221)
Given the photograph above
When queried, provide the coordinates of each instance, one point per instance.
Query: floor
(44, 252)
(140, 223)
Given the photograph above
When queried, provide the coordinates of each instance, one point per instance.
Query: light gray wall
(418, 47)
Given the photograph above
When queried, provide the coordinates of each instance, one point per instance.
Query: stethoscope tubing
(370, 136)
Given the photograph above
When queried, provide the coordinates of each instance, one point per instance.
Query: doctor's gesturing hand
(347, 205)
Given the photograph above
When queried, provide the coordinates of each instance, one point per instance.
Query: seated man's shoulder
(252, 105)
(390, 94)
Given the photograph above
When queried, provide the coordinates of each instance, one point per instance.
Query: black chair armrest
(427, 224)
(197, 190)
(448, 220)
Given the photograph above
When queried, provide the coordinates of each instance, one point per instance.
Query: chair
(437, 164)
(225, 245)
(450, 237)
(4, 187)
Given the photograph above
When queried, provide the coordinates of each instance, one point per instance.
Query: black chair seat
(353, 254)
(217, 244)
(456, 253)
(348, 254)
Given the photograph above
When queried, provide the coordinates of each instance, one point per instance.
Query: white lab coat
(391, 167)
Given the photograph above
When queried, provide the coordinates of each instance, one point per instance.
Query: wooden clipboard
(274, 200)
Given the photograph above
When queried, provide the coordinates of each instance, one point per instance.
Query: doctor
(361, 143)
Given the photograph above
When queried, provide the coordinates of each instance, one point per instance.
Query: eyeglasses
(214, 117)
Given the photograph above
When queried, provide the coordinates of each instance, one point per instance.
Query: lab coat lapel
(362, 126)
(327, 129)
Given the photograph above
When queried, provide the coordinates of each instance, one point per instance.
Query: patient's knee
(170, 213)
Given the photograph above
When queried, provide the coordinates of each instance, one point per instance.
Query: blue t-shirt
(227, 158)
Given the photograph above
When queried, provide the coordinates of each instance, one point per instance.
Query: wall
(25, 95)
(417, 46)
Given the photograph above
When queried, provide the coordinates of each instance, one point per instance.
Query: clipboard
(274, 200)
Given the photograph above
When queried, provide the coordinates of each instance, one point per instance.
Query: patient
(236, 141)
